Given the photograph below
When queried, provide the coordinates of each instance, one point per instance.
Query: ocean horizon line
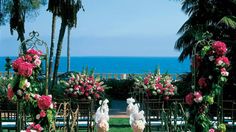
(118, 56)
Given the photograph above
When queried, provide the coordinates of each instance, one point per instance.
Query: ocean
(129, 65)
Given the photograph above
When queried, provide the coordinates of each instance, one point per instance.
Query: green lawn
(119, 125)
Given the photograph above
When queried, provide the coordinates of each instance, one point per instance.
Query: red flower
(197, 61)
(219, 47)
(97, 95)
(222, 60)
(44, 102)
(189, 99)
(202, 82)
(17, 62)
(25, 69)
(28, 58)
(146, 80)
(42, 113)
(34, 52)
(10, 93)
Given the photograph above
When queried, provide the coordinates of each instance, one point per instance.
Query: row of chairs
(172, 115)
(70, 116)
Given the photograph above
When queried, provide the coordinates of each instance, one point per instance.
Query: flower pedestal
(101, 129)
(137, 129)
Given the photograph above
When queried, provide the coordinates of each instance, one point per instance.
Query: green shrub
(119, 89)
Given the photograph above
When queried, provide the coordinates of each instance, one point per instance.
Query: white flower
(219, 63)
(51, 106)
(198, 100)
(130, 100)
(9, 86)
(211, 58)
(225, 73)
(210, 77)
(27, 84)
(38, 116)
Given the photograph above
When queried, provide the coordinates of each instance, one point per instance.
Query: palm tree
(17, 10)
(54, 7)
(69, 10)
(204, 15)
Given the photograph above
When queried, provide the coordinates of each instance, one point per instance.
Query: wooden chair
(8, 120)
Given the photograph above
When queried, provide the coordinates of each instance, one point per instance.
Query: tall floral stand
(32, 43)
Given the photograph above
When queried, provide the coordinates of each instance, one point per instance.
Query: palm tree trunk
(17, 22)
(51, 49)
(68, 49)
(22, 38)
(58, 53)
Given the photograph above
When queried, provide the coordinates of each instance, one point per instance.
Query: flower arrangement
(157, 85)
(137, 119)
(26, 69)
(83, 86)
(24, 88)
(211, 67)
(102, 116)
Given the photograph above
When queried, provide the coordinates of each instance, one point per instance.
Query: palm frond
(229, 21)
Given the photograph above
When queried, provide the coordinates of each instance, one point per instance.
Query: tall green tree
(16, 11)
(69, 10)
(204, 15)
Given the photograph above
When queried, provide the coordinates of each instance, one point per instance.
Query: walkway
(118, 109)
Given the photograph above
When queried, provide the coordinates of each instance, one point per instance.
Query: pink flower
(37, 62)
(10, 93)
(198, 97)
(219, 47)
(38, 127)
(202, 82)
(224, 72)
(36, 96)
(36, 57)
(25, 69)
(189, 99)
(222, 60)
(211, 130)
(17, 62)
(34, 52)
(44, 102)
(76, 87)
(28, 130)
(42, 113)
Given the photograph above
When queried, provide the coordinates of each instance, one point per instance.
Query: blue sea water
(130, 65)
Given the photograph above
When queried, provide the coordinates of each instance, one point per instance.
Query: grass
(119, 125)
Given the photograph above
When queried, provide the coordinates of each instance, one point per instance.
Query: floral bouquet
(83, 86)
(26, 69)
(157, 85)
(24, 88)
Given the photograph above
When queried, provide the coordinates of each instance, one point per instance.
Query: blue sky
(112, 28)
